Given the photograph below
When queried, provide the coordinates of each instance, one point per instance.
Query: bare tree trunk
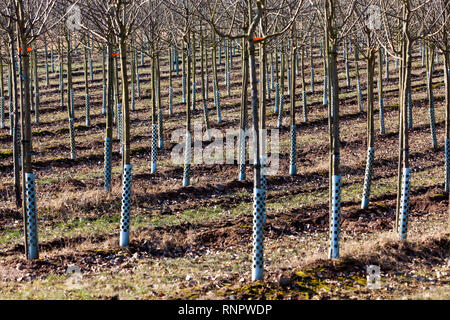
(293, 151)
(70, 98)
(28, 181)
(13, 96)
(404, 190)
(258, 252)
(430, 68)
(126, 163)
(333, 114)
(187, 159)
(109, 116)
(370, 129)
(244, 113)
(380, 91)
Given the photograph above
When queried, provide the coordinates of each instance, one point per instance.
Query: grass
(216, 273)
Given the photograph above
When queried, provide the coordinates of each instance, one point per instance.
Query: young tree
(224, 22)
(30, 18)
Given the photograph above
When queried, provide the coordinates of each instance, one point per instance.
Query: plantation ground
(195, 242)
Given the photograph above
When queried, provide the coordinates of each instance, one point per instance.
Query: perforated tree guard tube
(88, 110)
(154, 149)
(104, 100)
(410, 111)
(36, 108)
(447, 165)
(206, 117)
(72, 105)
(126, 206)
(219, 116)
(61, 90)
(52, 62)
(382, 126)
(72, 138)
(32, 233)
(47, 80)
(183, 83)
(293, 153)
(187, 160)
(194, 95)
(133, 90)
(404, 204)
(277, 97)
(160, 129)
(107, 164)
(333, 252)
(170, 100)
(325, 90)
(368, 178)
(386, 72)
(280, 112)
(271, 78)
(90, 70)
(423, 57)
(19, 146)
(138, 84)
(432, 121)
(242, 155)
(347, 74)
(289, 83)
(228, 84)
(305, 107)
(2, 112)
(258, 235)
(11, 117)
(360, 96)
(206, 87)
(264, 185)
(119, 127)
(231, 59)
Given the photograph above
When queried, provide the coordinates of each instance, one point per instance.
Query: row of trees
(273, 38)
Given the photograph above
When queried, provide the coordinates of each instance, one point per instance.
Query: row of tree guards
(197, 39)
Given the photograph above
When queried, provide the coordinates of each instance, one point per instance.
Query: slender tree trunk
(380, 91)
(293, 151)
(333, 114)
(187, 160)
(244, 113)
(70, 99)
(28, 181)
(86, 85)
(109, 116)
(430, 69)
(13, 96)
(370, 129)
(258, 234)
(126, 154)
